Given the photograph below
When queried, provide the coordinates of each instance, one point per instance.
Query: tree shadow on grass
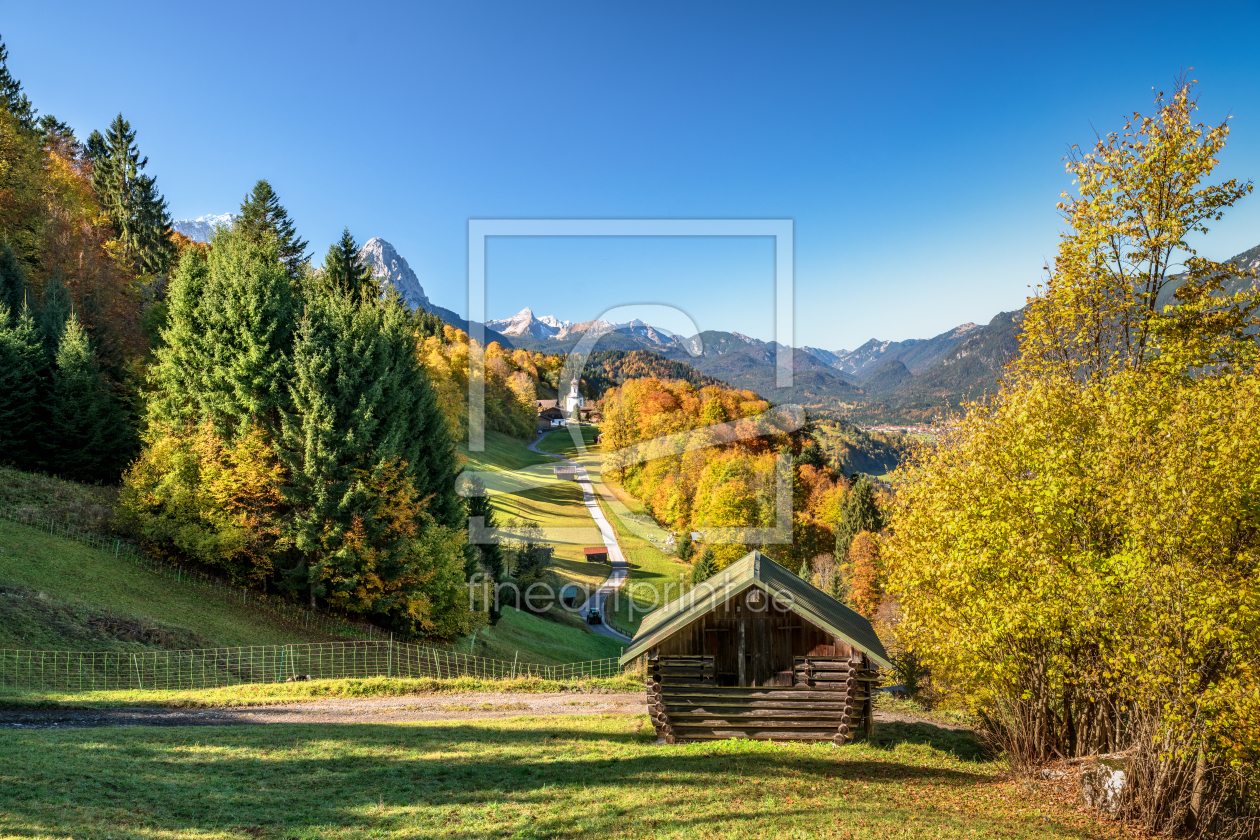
(962, 743)
(568, 780)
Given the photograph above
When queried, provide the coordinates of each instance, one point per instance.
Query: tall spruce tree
(54, 311)
(130, 198)
(12, 280)
(486, 558)
(21, 364)
(88, 436)
(345, 272)
(11, 97)
(362, 410)
(261, 215)
(229, 339)
(859, 513)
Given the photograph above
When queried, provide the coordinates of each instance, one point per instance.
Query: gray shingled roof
(756, 569)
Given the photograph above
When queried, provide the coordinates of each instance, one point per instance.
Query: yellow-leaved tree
(1078, 561)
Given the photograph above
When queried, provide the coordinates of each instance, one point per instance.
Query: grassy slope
(555, 777)
(557, 504)
(545, 641)
(651, 569)
(561, 637)
(91, 601)
(655, 577)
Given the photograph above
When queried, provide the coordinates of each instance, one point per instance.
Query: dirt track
(338, 710)
(357, 710)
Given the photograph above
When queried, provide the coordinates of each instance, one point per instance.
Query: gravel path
(338, 710)
(408, 709)
(620, 569)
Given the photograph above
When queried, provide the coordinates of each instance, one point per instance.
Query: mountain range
(880, 381)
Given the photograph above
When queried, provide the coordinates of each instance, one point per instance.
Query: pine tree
(12, 281)
(21, 363)
(263, 215)
(860, 513)
(130, 198)
(345, 272)
(89, 438)
(705, 567)
(804, 572)
(11, 97)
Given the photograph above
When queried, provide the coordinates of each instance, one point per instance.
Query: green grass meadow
(529, 777)
(63, 595)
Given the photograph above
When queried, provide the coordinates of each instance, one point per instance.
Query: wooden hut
(595, 554)
(756, 652)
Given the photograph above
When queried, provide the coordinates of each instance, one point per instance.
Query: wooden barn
(756, 652)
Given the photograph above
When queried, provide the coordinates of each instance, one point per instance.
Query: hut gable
(785, 594)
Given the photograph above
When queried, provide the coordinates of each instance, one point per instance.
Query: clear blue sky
(918, 150)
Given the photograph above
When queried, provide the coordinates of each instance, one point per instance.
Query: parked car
(593, 617)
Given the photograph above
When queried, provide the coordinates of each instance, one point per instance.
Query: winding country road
(620, 568)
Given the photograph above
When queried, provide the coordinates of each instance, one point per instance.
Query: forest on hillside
(287, 427)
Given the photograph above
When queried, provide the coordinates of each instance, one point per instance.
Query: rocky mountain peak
(388, 266)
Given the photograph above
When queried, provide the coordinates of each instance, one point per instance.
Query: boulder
(1102, 785)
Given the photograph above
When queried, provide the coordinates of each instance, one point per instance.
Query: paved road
(620, 568)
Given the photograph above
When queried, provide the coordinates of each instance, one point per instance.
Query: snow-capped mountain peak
(200, 229)
(524, 324)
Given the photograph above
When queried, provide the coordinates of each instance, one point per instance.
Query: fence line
(48, 670)
(259, 601)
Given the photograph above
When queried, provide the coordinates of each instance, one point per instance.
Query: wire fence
(273, 605)
(42, 670)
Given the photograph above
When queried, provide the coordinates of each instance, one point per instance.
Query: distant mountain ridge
(200, 229)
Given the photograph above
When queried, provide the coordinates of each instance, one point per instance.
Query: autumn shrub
(1078, 561)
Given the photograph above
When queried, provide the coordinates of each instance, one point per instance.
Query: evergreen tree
(704, 568)
(811, 455)
(362, 408)
(89, 438)
(95, 149)
(804, 572)
(54, 311)
(130, 198)
(485, 557)
(12, 281)
(229, 339)
(263, 215)
(426, 324)
(860, 513)
(345, 272)
(685, 547)
(418, 428)
(11, 97)
(21, 363)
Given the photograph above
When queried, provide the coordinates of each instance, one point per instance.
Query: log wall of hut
(750, 670)
(752, 641)
(830, 700)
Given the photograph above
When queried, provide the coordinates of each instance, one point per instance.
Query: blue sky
(917, 149)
